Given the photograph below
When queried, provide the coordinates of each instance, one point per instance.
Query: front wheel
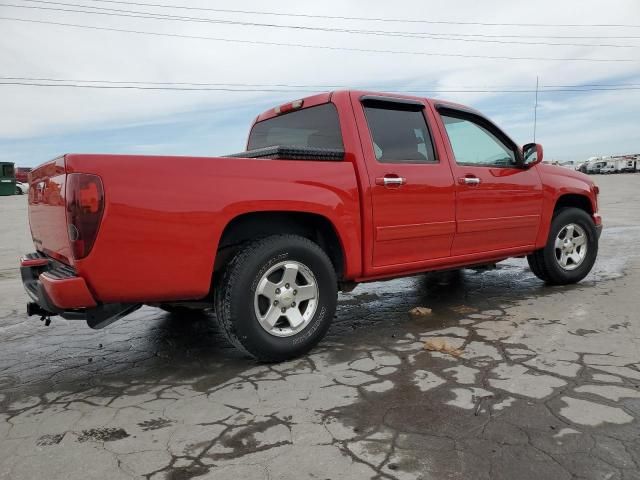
(277, 297)
(571, 249)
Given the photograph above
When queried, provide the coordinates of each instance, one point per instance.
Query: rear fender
(346, 227)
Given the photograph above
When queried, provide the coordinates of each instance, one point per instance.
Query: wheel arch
(576, 198)
(252, 225)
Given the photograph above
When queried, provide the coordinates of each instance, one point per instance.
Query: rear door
(499, 203)
(411, 188)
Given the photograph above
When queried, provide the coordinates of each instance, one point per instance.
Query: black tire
(543, 262)
(234, 297)
(18, 191)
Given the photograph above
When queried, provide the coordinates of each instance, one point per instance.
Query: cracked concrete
(547, 383)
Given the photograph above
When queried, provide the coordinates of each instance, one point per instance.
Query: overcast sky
(38, 123)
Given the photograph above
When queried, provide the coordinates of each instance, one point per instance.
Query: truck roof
(325, 97)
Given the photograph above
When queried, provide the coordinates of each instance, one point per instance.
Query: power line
(323, 47)
(586, 85)
(273, 85)
(140, 87)
(384, 33)
(484, 88)
(456, 34)
(243, 88)
(368, 19)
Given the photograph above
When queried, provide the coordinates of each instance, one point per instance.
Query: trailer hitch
(97, 317)
(35, 309)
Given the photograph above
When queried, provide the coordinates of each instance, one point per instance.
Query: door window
(399, 136)
(474, 144)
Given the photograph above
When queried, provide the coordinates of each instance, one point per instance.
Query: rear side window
(399, 136)
(312, 127)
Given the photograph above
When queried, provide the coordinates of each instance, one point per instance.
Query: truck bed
(164, 215)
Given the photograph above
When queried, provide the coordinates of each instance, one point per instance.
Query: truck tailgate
(47, 210)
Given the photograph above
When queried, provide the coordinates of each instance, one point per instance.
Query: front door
(411, 188)
(499, 203)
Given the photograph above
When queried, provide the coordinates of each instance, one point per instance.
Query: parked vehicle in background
(7, 179)
(335, 189)
(626, 165)
(22, 174)
(22, 188)
(596, 167)
(619, 164)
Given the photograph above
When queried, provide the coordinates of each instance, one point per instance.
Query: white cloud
(36, 50)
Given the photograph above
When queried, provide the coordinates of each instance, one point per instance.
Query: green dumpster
(7, 179)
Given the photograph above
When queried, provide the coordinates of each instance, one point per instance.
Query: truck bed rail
(279, 152)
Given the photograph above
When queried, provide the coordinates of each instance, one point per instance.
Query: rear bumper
(53, 285)
(56, 289)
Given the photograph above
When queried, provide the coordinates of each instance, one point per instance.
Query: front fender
(557, 182)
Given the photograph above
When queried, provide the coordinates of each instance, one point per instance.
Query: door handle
(469, 181)
(389, 181)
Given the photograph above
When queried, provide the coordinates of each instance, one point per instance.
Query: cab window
(317, 127)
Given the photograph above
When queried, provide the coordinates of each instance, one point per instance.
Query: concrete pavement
(518, 380)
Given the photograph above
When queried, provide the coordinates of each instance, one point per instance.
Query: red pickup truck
(334, 189)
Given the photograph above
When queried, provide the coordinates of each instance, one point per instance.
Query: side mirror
(532, 154)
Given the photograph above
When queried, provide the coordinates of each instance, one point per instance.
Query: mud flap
(100, 317)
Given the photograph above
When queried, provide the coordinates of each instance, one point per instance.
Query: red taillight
(85, 204)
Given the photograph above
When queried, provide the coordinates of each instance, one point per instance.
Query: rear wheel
(277, 297)
(571, 250)
(18, 191)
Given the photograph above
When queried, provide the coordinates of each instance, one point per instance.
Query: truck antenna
(535, 110)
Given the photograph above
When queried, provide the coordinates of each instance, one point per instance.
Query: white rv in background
(610, 164)
(625, 164)
(595, 167)
(618, 164)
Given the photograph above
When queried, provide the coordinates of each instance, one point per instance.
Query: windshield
(312, 127)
